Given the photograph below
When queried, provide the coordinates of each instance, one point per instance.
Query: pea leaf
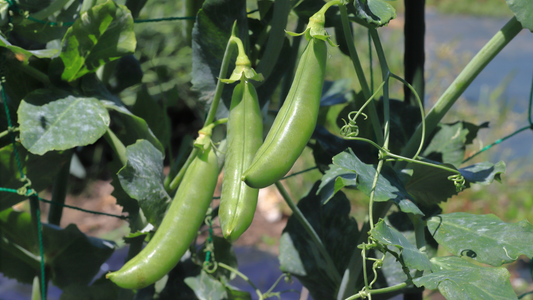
(389, 186)
(447, 143)
(72, 257)
(206, 287)
(389, 236)
(484, 238)
(100, 35)
(54, 120)
(299, 255)
(142, 178)
(23, 55)
(210, 37)
(457, 279)
(375, 12)
(41, 170)
(522, 9)
(430, 185)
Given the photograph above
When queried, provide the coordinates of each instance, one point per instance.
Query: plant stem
(360, 74)
(177, 180)
(462, 81)
(385, 76)
(244, 277)
(4, 133)
(59, 192)
(220, 85)
(179, 161)
(332, 270)
(379, 291)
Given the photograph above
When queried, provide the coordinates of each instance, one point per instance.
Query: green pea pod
(295, 121)
(179, 226)
(245, 135)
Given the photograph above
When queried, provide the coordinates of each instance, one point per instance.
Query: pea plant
(72, 88)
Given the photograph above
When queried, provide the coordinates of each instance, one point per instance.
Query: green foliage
(522, 9)
(53, 120)
(101, 34)
(142, 178)
(484, 238)
(457, 279)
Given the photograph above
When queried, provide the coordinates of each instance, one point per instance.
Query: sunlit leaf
(389, 236)
(484, 238)
(206, 287)
(523, 10)
(53, 120)
(457, 279)
(100, 35)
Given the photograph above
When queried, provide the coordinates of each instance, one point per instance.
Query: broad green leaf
(135, 128)
(375, 12)
(223, 253)
(523, 10)
(389, 186)
(155, 116)
(206, 287)
(40, 169)
(100, 35)
(209, 39)
(457, 279)
(430, 185)
(142, 178)
(101, 289)
(389, 236)
(447, 144)
(63, 123)
(484, 238)
(328, 145)
(71, 256)
(299, 255)
(23, 55)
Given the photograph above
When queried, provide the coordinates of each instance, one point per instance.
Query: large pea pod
(295, 122)
(178, 228)
(245, 135)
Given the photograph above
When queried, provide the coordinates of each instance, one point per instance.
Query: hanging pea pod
(296, 120)
(180, 224)
(245, 135)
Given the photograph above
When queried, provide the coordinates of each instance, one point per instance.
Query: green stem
(373, 192)
(462, 81)
(59, 192)
(385, 76)
(177, 180)
(179, 161)
(241, 275)
(389, 289)
(26, 68)
(332, 270)
(48, 11)
(117, 146)
(400, 158)
(220, 85)
(360, 74)
(275, 37)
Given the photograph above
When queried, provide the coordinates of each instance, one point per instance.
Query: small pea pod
(295, 122)
(179, 226)
(245, 135)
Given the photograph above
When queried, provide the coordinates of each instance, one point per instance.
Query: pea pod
(245, 135)
(179, 226)
(295, 122)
